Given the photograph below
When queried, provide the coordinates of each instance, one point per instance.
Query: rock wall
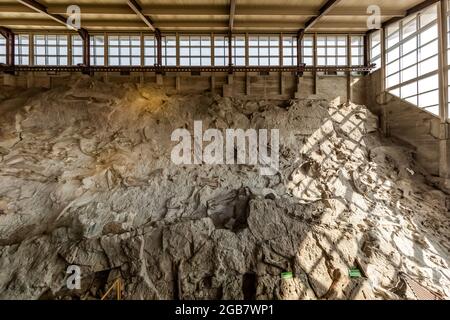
(86, 180)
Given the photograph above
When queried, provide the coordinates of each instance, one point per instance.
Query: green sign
(354, 273)
(286, 275)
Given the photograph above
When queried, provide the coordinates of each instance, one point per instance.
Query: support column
(384, 111)
(281, 83)
(213, 84)
(247, 84)
(142, 41)
(106, 49)
(300, 36)
(230, 52)
(444, 143)
(177, 44)
(10, 44)
(158, 38)
(383, 60)
(69, 50)
(86, 47)
(159, 79)
(366, 51)
(178, 83)
(349, 73)
(228, 88)
(230, 79)
(314, 74)
(31, 49)
(443, 64)
(30, 79)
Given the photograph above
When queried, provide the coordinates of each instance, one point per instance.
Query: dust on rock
(86, 179)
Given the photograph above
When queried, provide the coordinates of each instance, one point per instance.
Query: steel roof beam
(330, 4)
(38, 7)
(232, 13)
(138, 10)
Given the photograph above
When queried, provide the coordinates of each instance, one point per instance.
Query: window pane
(409, 59)
(428, 15)
(409, 73)
(409, 45)
(409, 90)
(392, 80)
(428, 65)
(428, 50)
(429, 98)
(429, 83)
(409, 28)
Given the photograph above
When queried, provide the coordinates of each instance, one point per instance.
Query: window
(97, 50)
(264, 50)
(169, 50)
(195, 50)
(357, 50)
(77, 50)
(289, 45)
(412, 59)
(331, 50)
(221, 50)
(150, 54)
(50, 50)
(22, 49)
(2, 50)
(308, 50)
(375, 49)
(124, 50)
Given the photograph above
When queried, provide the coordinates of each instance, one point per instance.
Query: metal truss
(194, 70)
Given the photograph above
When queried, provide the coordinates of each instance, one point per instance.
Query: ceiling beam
(170, 25)
(138, 10)
(322, 12)
(38, 7)
(232, 13)
(204, 10)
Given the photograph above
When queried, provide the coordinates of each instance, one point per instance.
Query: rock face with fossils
(86, 179)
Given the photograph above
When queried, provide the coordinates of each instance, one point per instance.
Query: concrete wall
(249, 86)
(426, 133)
